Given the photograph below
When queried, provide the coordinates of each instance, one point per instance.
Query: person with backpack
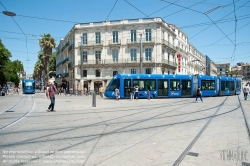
(51, 95)
(199, 94)
(246, 90)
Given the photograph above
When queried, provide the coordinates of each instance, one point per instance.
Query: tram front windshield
(28, 85)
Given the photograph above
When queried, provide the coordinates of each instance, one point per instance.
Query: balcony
(148, 42)
(65, 61)
(133, 43)
(71, 47)
(128, 62)
(169, 64)
(169, 45)
(59, 64)
(113, 43)
(90, 44)
(105, 63)
(65, 46)
(70, 65)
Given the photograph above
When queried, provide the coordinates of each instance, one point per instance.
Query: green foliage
(52, 65)
(8, 69)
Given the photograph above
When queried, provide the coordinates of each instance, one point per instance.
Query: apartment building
(92, 53)
(223, 68)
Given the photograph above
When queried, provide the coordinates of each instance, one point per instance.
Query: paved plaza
(156, 132)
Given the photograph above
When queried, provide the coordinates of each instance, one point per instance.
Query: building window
(84, 73)
(133, 71)
(84, 56)
(84, 38)
(148, 54)
(115, 73)
(115, 55)
(148, 35)
(115, 36)
(133, 35)
(97, 73)
(133, 54)
(148, 70)
(97, 37)
(98, 57)
(168, 72)
(220, 69)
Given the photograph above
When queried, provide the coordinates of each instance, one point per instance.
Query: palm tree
(47, 43)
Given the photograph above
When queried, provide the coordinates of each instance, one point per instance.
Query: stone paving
(126, 133)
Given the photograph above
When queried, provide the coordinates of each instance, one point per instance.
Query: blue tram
(208, 85)
(171, 86)
(28, 86)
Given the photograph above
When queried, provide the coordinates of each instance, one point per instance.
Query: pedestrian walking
(136, 92)
(1, 90)
(117, 93)
(6, 90)
(101, 91)
(199, 94)
(132, 89)
(246, 90)
(51, 96)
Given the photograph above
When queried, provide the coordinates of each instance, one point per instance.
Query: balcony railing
(71, 47)
(167, 43)
(65, 60)
(112, 42)
(113, 61)
(148, 41)
(129, 42)
(65, 46)
(91, 44)
(168, 62)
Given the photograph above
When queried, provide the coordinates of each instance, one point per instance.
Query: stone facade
(92, 53)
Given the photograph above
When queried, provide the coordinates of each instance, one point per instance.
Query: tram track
(245, 118)
(196, 138)
(15, 107)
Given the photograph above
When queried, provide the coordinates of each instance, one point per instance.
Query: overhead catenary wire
(111, 10)
(23, 34)
(218, 20)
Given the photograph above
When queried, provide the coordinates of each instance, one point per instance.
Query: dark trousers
(245, 96)
(197, 97)
(52, 103)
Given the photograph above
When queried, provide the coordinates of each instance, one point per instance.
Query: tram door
(223, 87)
(162, 87)
(186, 87)
(127, 84)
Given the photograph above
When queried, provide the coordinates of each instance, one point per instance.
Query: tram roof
(153, 76)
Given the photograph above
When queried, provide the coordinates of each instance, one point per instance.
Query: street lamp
(140, 53)
(8, 13)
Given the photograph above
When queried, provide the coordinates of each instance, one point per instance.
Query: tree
(52, 65)
(11, 71)
(5, 56)
(47, 43)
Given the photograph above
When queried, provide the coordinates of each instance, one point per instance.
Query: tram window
(207, 85)
(28, 85)
(150, 84)
(238, 85)
(230, 85)
(223, 85)
(140, 84)
(174, 84)
(186, 84)
(113, 84)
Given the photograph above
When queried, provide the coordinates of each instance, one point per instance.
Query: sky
(218, 29)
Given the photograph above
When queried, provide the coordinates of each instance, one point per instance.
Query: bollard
(94, 99)
(148, 95)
